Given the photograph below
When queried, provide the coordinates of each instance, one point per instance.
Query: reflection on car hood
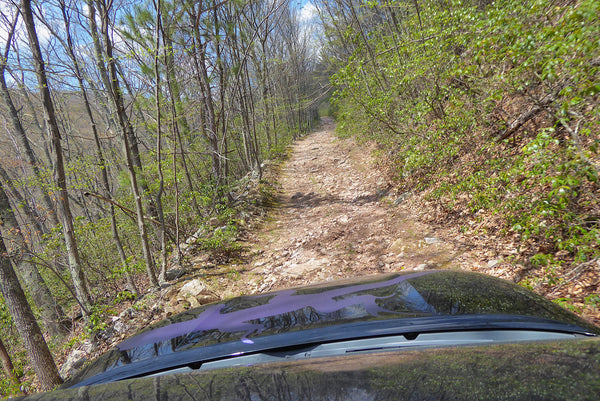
(345, 302)
(400, 303)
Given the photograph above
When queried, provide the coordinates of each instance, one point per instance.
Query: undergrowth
(492, 109)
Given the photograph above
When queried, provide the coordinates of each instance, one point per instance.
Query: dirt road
(335, 219)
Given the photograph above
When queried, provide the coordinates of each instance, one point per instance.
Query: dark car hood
(390, 304)
(567, 370)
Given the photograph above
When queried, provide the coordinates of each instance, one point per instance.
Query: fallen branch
(524, 118)
(574, 273)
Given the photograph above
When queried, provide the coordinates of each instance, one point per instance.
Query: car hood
(406, 303)
(564, 370)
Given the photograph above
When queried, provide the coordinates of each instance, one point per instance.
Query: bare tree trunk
(37, 349)
(108, 83)
(9, 369)
(101, 160)
(30, 212)
(202, 76)
(126, 129)
(179, 123)
(18, 127)
(161, 180)
(52, 314)
(59, 172)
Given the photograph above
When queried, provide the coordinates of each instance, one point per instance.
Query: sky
(307, 12)
(310, 26)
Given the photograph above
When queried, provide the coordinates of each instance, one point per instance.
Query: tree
(17, 126)
(126, 132)
(59, 171)
(52, 314)
(105, 183)
(209, 126)
(161, 179)
(35, 344)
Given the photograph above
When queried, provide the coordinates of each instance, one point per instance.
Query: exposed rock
(343, 219)
(106, 334)
(74, 361)
(190, 242)
(493, 263)
(398, 245)
(421, 267)
(174, 274)
(120, 327)
(196, 293)
(432, 240)
(202, 300)
(87, 346)
(193, 288)
(176, 308)
(402, 198)
(127, 313)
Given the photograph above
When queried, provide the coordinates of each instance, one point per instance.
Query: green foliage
(75, 341)
(123, 296)
(9, 388)
(593, 300)
(98, 319)
(217, 124)
(223, 239)
(443, 89)
(567, 303)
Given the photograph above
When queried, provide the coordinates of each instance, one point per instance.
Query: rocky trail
(335, 218)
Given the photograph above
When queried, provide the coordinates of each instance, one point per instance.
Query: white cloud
(308, 12)
(8, 11)
(310, 27)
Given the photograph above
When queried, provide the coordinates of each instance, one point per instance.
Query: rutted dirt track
(335, 219)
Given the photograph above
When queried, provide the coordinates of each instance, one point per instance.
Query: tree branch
(130, 213)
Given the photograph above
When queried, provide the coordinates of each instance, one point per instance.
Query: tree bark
(126, 129)
(179, 124)
(161, 180)
(18, 129)
(101, 160)
(203, 79)
(30, 212)
(76, 271)
(52, 314)
(33, 340)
